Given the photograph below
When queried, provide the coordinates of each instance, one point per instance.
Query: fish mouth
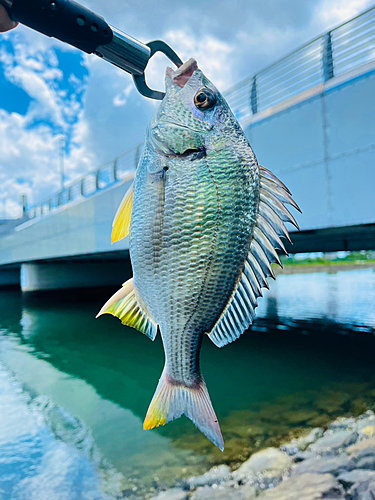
(191, 154)
(182, 75)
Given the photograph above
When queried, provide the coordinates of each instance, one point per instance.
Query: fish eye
(205, 99)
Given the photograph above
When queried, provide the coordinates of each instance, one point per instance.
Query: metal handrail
(352, 44)
(105, 176)
(334, 53)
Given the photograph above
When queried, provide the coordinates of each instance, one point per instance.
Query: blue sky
(48, 89)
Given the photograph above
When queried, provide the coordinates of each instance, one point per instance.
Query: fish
(204, 223)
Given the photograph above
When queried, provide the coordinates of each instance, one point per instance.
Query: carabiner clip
(140, 80)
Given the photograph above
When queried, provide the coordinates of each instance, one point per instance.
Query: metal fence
(338, 51)
(105, 176)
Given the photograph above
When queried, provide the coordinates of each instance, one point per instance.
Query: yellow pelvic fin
(121, 222)
(124, 305)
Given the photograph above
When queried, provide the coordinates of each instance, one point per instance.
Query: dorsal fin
(240, 310)
(124, 305)
(121, 222)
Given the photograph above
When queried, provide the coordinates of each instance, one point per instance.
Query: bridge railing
(338, 51)
(107, 175)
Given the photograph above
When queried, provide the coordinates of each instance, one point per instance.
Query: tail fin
(172, 400)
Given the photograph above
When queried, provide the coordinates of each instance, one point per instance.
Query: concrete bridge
(310, 119)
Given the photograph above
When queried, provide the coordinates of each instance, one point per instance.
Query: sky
(49, 90)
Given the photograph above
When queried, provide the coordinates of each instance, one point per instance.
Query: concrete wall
(323, 149)
(60, 275)
(81, 228)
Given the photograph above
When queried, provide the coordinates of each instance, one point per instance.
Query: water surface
(75, 390)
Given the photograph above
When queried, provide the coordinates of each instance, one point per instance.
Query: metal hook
(140, 80)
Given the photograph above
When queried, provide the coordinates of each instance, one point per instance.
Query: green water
(74, 390)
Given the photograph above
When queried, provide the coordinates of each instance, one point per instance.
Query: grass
(350, 258)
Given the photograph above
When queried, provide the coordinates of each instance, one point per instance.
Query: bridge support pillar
(9, 277)
(63, 275)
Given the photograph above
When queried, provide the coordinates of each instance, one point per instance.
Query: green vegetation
(330, 259)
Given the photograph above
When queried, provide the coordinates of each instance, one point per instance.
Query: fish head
(192, 116)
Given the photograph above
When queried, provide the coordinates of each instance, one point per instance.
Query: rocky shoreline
(333, 464)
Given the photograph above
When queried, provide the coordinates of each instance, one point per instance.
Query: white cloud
(121, 98)
(333, 12)
(214, 56)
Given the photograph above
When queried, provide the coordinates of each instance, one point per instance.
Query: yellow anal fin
(124, 305)
(121, 222)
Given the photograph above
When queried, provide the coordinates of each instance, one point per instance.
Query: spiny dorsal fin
(121, 222)
(124, 305)
(240, 310)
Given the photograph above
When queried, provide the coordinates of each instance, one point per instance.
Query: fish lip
(191, 154)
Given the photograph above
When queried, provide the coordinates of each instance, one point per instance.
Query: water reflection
(78, 388)
(36, 463)
(345, 297)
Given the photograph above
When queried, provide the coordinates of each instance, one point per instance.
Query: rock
(369, 494)
(362, 445)
(298, 417)
(357, 476)
(366, 421)
(304, 455)
(320, 465)
(363, 454)
(215, 476)
(221, 493)
(303, 442)
(290, 449)
(342, 424)
(332, 401)
(332, 442)
(358, 406)
(368, 431)
(365, 459)
(306, 487)
(322, 419)
(271, 462)
(357, 482)
(173, 494)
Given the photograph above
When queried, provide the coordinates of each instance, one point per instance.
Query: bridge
(309, 118)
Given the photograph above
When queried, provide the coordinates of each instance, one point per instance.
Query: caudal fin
(172, 400)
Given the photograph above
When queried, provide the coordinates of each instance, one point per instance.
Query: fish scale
(215, 232)
(204, 224)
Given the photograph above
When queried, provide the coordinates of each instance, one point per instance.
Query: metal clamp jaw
(140, 80)
(72, 23)
(133, 56)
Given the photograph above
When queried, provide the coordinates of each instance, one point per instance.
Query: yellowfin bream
(204, 220)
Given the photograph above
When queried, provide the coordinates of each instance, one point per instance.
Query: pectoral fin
(124, 305)
(240, 310)
(121, 222)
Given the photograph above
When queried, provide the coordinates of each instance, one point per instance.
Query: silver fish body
(189, 238)
(195, 218)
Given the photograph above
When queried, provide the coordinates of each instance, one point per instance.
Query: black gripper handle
(65, 20)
